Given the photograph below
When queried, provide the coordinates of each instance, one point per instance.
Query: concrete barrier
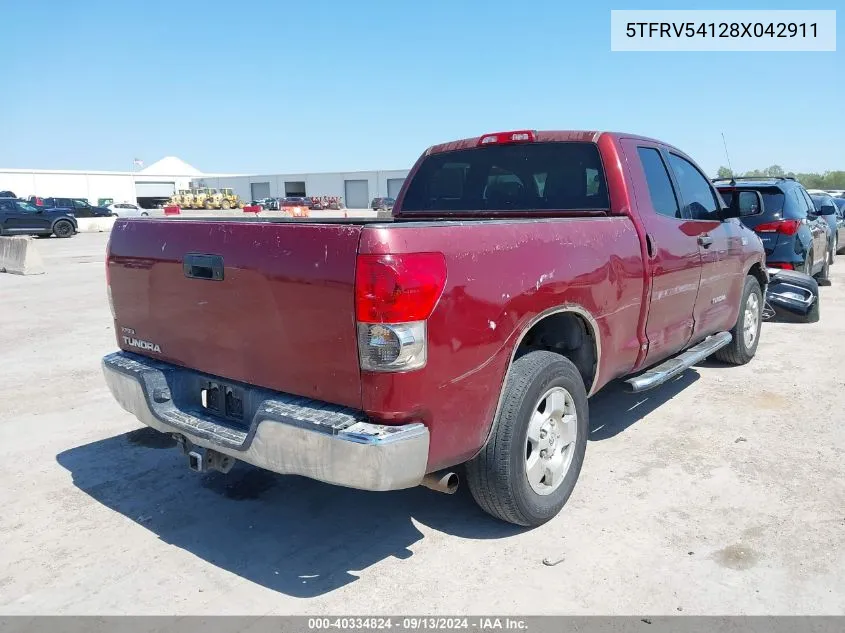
(19, 256)
(95, 225)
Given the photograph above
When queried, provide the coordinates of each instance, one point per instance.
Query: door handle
(705, 240)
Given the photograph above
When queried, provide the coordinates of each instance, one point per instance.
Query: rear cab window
(544, 176)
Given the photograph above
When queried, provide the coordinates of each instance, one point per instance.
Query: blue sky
(275, 87)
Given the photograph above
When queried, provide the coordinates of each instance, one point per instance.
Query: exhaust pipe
(442, 481)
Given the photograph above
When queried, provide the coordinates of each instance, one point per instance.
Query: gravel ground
(719, 493)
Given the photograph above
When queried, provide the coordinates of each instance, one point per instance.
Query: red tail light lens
(784, 227)
(501, 138)
(398, 288)
(781, 266)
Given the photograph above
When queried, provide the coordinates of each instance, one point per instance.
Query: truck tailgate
(281, 317)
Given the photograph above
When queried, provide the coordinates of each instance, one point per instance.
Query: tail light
(502, 138)
(784, 227)
(394, 296)
(108, 282)
(781, 266)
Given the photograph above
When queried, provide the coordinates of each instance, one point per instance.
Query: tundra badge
(136, 342)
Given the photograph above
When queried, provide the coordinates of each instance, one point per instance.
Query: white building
(159, 180)
(357, 188)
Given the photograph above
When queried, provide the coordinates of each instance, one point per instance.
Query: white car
(127, 210)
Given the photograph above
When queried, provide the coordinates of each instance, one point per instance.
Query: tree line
(827, 180)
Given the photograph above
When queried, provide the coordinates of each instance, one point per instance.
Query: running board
(667, 370)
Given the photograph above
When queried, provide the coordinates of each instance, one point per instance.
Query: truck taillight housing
(394, 296)
(108, 283)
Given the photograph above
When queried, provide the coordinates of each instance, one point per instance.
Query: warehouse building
(356, 188)
(157, 182)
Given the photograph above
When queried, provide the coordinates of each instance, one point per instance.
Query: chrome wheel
(751, 320)
(551, 440)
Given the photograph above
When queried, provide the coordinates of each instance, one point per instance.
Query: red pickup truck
(520, 273)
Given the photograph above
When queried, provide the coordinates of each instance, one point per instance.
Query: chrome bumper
(287, 434)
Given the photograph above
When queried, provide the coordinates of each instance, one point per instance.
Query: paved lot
(673, 511)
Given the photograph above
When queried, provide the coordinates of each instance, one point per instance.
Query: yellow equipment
(230, 200)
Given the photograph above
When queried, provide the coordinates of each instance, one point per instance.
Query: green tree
(724, 172)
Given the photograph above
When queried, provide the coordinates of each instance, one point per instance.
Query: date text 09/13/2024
(418, 623)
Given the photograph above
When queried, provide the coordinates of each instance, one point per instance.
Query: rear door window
(521, 177)
(699, 201)
(660, 189)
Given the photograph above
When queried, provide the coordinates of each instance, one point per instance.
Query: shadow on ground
(292, 534)
(614, 408)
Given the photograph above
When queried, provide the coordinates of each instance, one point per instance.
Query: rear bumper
(286, 434)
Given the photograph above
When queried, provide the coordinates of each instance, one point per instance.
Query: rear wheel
(824, 275)
(226, 204)
(63, 229)
(746, 332)
(530, 464)
(808, 264)
(833, 249)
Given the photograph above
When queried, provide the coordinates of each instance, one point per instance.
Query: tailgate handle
(203, 266)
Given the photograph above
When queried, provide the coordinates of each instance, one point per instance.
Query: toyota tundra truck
(520, 272)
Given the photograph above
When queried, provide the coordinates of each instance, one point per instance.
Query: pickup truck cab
(520, 273)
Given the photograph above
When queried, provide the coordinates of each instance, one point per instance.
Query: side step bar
(667, 370)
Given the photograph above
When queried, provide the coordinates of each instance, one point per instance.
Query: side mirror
(827, 209)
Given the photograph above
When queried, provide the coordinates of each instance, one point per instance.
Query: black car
(77, 206)
(7, 194)
(826, 208)
(21, 218)
(382, 204)
(793, 235)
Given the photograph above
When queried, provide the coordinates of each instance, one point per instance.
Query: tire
(833, 249)
(838, 248)
(741, 349)
(208, 206)
(226, 204)
(498, 476)
(144, 214)
(63, 229)
(808, 264)
(823, 277)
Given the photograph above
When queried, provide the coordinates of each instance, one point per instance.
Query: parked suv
(77, 206)
(18, 217)
(795, 238)
(826, 208)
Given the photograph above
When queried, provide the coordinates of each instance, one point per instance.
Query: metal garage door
(154, 189)
(357, 194)
(259, 190)
(393, 187)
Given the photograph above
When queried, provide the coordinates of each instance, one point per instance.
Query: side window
(660, 188)
(801, 204)
(811, 206)
(7, 205)
(699, 201)
(80, 204)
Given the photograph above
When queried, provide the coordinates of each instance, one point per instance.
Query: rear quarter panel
(501, 276)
